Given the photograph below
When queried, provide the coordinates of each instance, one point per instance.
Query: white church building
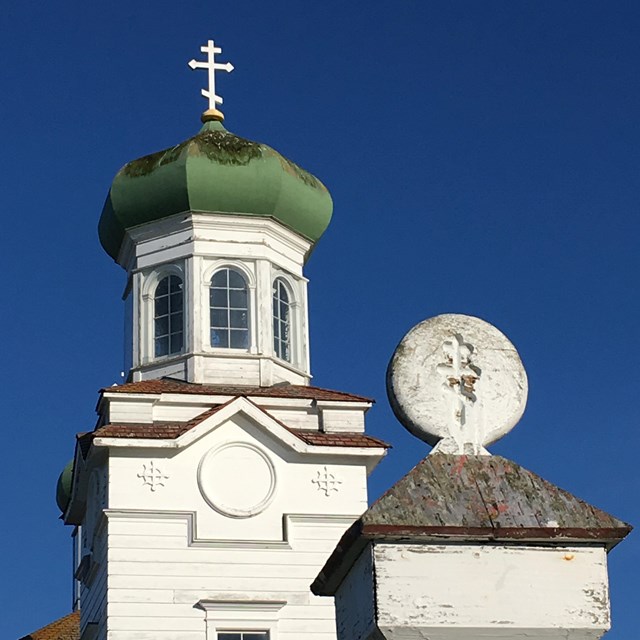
(218, 482)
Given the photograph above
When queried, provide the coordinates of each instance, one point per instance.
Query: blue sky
(483, 158)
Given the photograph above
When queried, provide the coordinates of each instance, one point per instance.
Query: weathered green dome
(214, 171)
(63, 488)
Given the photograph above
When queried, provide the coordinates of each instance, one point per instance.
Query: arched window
(229, 304)
(168, 318)
(281, 320)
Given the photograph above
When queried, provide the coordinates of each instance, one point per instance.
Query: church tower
(217, 479)
(213, 234)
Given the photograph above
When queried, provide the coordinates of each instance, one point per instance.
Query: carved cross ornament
(458, 383)
(326, 482)
(460, 375)
(152, 476)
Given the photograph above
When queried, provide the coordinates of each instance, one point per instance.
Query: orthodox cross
(211, 66)
(460, 375)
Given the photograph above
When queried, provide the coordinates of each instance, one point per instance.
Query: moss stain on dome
(214, 171)
(218, 146)
(300, 173)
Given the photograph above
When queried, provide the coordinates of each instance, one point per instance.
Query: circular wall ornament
(457, 382)
(237, 479)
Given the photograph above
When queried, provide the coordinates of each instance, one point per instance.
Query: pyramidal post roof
(462, 498)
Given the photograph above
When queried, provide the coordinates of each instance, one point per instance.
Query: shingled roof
(170, 430)
(471, 498)
(67, 628)
(171, 385)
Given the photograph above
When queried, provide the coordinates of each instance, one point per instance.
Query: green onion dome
(63, 488)
(214, 172)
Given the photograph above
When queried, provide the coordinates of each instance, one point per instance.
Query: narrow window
(281, 320)
(243, 635)
(168, 316)
(229, 304)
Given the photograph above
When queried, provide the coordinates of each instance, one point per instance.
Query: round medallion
(457, 382)
(237, 479)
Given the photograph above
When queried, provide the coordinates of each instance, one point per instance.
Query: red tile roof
(170, 385)
(67, 628)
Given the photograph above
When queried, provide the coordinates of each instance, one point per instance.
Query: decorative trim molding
(289, 522)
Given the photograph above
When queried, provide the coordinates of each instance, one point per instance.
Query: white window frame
(241, 616)
(247, 270)
(147, 324)
(296, 329)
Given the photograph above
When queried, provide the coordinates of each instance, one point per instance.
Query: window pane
(229, 636)
(255, 636)
(176, 301)
(162, 326)
(163, 287)
(284, 331)
(219, 338)
(175, 284)
(218, 297)
(219, 318)
(220, 279)
(162, 306)
(175, 322)
(238, 319)
(162, 346)
(176, 342)
(238, 298)
(284, 311)
(236, 281)
(239, 339)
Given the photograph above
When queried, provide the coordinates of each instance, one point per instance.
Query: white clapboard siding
(94, 596)
(156, 578)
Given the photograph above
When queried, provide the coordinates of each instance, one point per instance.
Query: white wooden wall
(178, 564)
(156, 580)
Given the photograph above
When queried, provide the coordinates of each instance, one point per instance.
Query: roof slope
(488, 495)
(467, 499)
(67, 628)
(170, 385)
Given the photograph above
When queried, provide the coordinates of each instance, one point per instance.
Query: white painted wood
(341, 419)
(464, 592)
(166, 549)
(194, 246)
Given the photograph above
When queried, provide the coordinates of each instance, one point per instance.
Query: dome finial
(211, 66)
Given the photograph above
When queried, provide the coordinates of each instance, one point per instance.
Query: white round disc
(457, 379)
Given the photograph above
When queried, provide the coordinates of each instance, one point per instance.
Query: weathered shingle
(170, 430)
(170, 385)
(67, 628)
